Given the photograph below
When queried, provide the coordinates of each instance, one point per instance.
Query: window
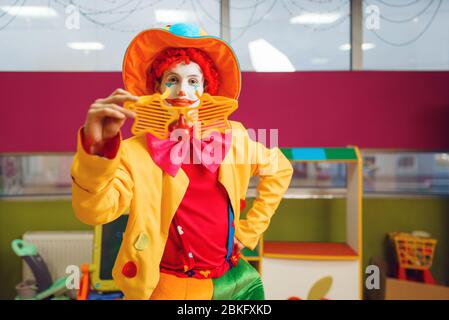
(35, 175)
(75, 35)
(409, 35)
(393, 172)
(389, 172)
(290, 35)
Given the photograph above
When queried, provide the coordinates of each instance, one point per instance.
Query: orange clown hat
(147, 45)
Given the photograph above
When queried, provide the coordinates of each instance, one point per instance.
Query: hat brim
(147, 45)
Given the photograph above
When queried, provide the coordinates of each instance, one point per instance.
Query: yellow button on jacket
(103, 189)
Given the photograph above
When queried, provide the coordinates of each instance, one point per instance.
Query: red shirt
(203, 218)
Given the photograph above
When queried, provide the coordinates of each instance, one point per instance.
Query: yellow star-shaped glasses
(154, 116)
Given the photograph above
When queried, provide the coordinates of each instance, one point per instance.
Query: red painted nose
(181, 94)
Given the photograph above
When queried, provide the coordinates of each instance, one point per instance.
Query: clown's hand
(239, 245)
(105, 118)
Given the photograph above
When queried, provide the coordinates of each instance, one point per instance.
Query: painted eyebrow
(190, 75)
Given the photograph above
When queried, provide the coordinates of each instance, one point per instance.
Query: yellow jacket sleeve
(274, 171)
(102, 188)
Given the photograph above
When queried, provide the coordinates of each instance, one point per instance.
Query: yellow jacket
(104, 188)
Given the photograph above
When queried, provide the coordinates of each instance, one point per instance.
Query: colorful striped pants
(241, 282)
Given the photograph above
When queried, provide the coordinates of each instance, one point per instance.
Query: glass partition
(385, 172)
(35, 175)
(393, 173)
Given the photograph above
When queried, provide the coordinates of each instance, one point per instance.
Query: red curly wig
(172, 56)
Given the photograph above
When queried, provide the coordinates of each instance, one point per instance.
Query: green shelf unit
(348, 154)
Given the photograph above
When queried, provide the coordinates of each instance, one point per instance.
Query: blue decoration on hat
(185, 30)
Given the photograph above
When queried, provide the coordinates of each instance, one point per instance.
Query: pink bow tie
(181, 148)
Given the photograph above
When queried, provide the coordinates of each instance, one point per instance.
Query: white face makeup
(183, 80)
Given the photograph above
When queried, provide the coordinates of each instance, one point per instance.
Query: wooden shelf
(309, 250)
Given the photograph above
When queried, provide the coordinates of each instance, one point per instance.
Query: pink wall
(367, 109)
(41, 111)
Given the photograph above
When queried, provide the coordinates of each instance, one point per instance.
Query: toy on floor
(86, 292)
(44, 286)
(85, 282)
(414, 254)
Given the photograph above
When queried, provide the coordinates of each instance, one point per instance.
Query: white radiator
(60, 249)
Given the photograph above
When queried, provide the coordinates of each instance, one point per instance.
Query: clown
(184, 231)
